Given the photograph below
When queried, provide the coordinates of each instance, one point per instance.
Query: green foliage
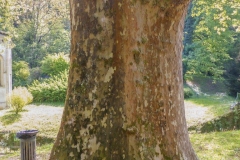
(58, 39)
(216, 26)
(189, 26)
(232, 78)
(19, 98)
(38, 28)
(28, 48)
(55, 64)
(21, 73)
(50, 90)
(188, 93)
(233, 69)
(35, 74)
(5, 16)
(32, 47)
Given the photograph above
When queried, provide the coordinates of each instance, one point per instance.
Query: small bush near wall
(19, 98)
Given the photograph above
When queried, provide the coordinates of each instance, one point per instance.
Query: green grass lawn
(45, 118)
(217, 145)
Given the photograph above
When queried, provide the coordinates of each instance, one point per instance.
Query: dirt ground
(196, 114)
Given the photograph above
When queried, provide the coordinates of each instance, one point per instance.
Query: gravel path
(196, 114)
(45, 118)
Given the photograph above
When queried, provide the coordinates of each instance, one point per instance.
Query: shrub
(55, 64)
(35, 73)
(21, 73)
(19, 98)
(50, 90)
(188, 93)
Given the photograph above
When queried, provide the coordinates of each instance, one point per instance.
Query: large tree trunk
(125, 94)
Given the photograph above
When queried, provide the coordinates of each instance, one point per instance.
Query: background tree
(40, 30)
(189, 27)
(213, 37)
(5, 16)
(232, 74)
(37, 28)
(125, 93)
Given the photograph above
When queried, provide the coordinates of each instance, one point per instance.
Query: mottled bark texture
(125, 93)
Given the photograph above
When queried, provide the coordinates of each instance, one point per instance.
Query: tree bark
(125, 91)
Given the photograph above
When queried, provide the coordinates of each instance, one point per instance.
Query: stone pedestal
(28, 144)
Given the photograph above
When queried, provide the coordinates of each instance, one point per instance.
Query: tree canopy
(216, 26)
(37, 28)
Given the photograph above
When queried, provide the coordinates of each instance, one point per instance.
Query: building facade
(5, 70)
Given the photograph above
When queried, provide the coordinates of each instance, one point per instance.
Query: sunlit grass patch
(10, 118)
(218, 105)
(45, 119)
(217, 145)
